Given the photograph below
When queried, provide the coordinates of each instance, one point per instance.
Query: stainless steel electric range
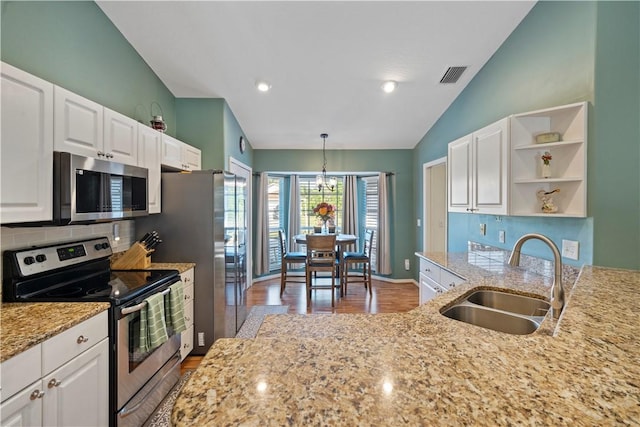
(79, 271)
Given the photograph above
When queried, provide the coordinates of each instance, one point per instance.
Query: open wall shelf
(568, 163)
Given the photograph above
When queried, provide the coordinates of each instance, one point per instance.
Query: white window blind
(371, 212)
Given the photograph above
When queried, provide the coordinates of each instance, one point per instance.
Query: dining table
(342, 240)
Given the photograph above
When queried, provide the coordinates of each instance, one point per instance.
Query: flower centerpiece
(325, 212)
(546, 167)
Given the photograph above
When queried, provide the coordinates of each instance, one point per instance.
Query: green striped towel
(174, 302)
(153, 330)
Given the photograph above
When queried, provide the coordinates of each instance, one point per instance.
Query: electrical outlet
(570, 249)
(407, 264)
(501, 236)
(483, 229)
(201, 339)
(418, 222)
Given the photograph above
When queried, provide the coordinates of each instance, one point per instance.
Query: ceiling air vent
(452, 74)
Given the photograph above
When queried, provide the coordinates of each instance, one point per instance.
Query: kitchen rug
(162, 416)
(255, 318)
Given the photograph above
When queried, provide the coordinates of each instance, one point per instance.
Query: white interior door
(240, 169)
(435, 206)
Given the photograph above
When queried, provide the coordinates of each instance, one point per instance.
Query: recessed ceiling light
(263, 86)
(389, 86)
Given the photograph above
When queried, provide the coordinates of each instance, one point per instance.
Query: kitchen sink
(492, 319)
(512, 303)
(500, 311)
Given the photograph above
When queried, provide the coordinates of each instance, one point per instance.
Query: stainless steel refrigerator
(203, 220)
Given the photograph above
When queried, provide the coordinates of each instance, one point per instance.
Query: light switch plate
(570, 249)
(483, 229)
(501, 236)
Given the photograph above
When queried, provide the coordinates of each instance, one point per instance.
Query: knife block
(135, 258)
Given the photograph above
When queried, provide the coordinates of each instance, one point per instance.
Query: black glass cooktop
(115, 286)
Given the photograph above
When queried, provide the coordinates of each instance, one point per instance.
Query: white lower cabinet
(187, 336)
(435, 280)
(24, 408)
(77, 393)
(72, 386)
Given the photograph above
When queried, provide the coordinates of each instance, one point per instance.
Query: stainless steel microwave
(91, 190)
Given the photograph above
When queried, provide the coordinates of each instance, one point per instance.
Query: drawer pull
(53, 383)
(452, 284)
(36, 394)
(82, 339)
(427, 269)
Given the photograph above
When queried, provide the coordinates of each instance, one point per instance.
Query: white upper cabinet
(27, 147)
(565, 184)
(88, 129)
(459, 168)
(178, 155)
(150, 157)
(78, 125)
(192, 157)
(478, 171)
(120, 138)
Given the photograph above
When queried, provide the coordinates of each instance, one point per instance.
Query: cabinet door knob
(36, 394)
(53, 383)
(82, 339)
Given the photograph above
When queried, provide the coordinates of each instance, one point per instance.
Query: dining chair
(317, 230)
(362, 259)
(321, 256)
(287, 258)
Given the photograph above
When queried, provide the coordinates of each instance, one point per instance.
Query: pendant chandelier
(322, 181)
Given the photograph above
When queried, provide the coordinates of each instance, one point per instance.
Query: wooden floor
(387, 298)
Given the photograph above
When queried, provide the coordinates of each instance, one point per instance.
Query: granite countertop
(421, 368)
(180, 266)
(23, 325)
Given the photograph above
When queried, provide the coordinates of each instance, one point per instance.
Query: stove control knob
(29, 260)
(98, 246)
(105, 245)
(41, 258)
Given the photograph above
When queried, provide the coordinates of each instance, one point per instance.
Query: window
(276, 219)
(371, 205)
(310, 197)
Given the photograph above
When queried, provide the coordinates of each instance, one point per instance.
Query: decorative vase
(546, 170)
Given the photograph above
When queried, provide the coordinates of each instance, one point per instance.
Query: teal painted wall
(536, 68)
(74, 45)
(614, 155)
(232, 133)
(210, 125)
(201, 125)
(397, 161)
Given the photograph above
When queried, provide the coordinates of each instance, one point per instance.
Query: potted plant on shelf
(546, 165)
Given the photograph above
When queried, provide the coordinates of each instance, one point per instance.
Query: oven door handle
(138, 307)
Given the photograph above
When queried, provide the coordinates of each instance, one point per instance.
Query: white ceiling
(325, 61)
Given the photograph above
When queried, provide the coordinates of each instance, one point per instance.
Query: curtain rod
(359, 175)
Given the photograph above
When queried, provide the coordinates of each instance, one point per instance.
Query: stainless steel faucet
(557, 291)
